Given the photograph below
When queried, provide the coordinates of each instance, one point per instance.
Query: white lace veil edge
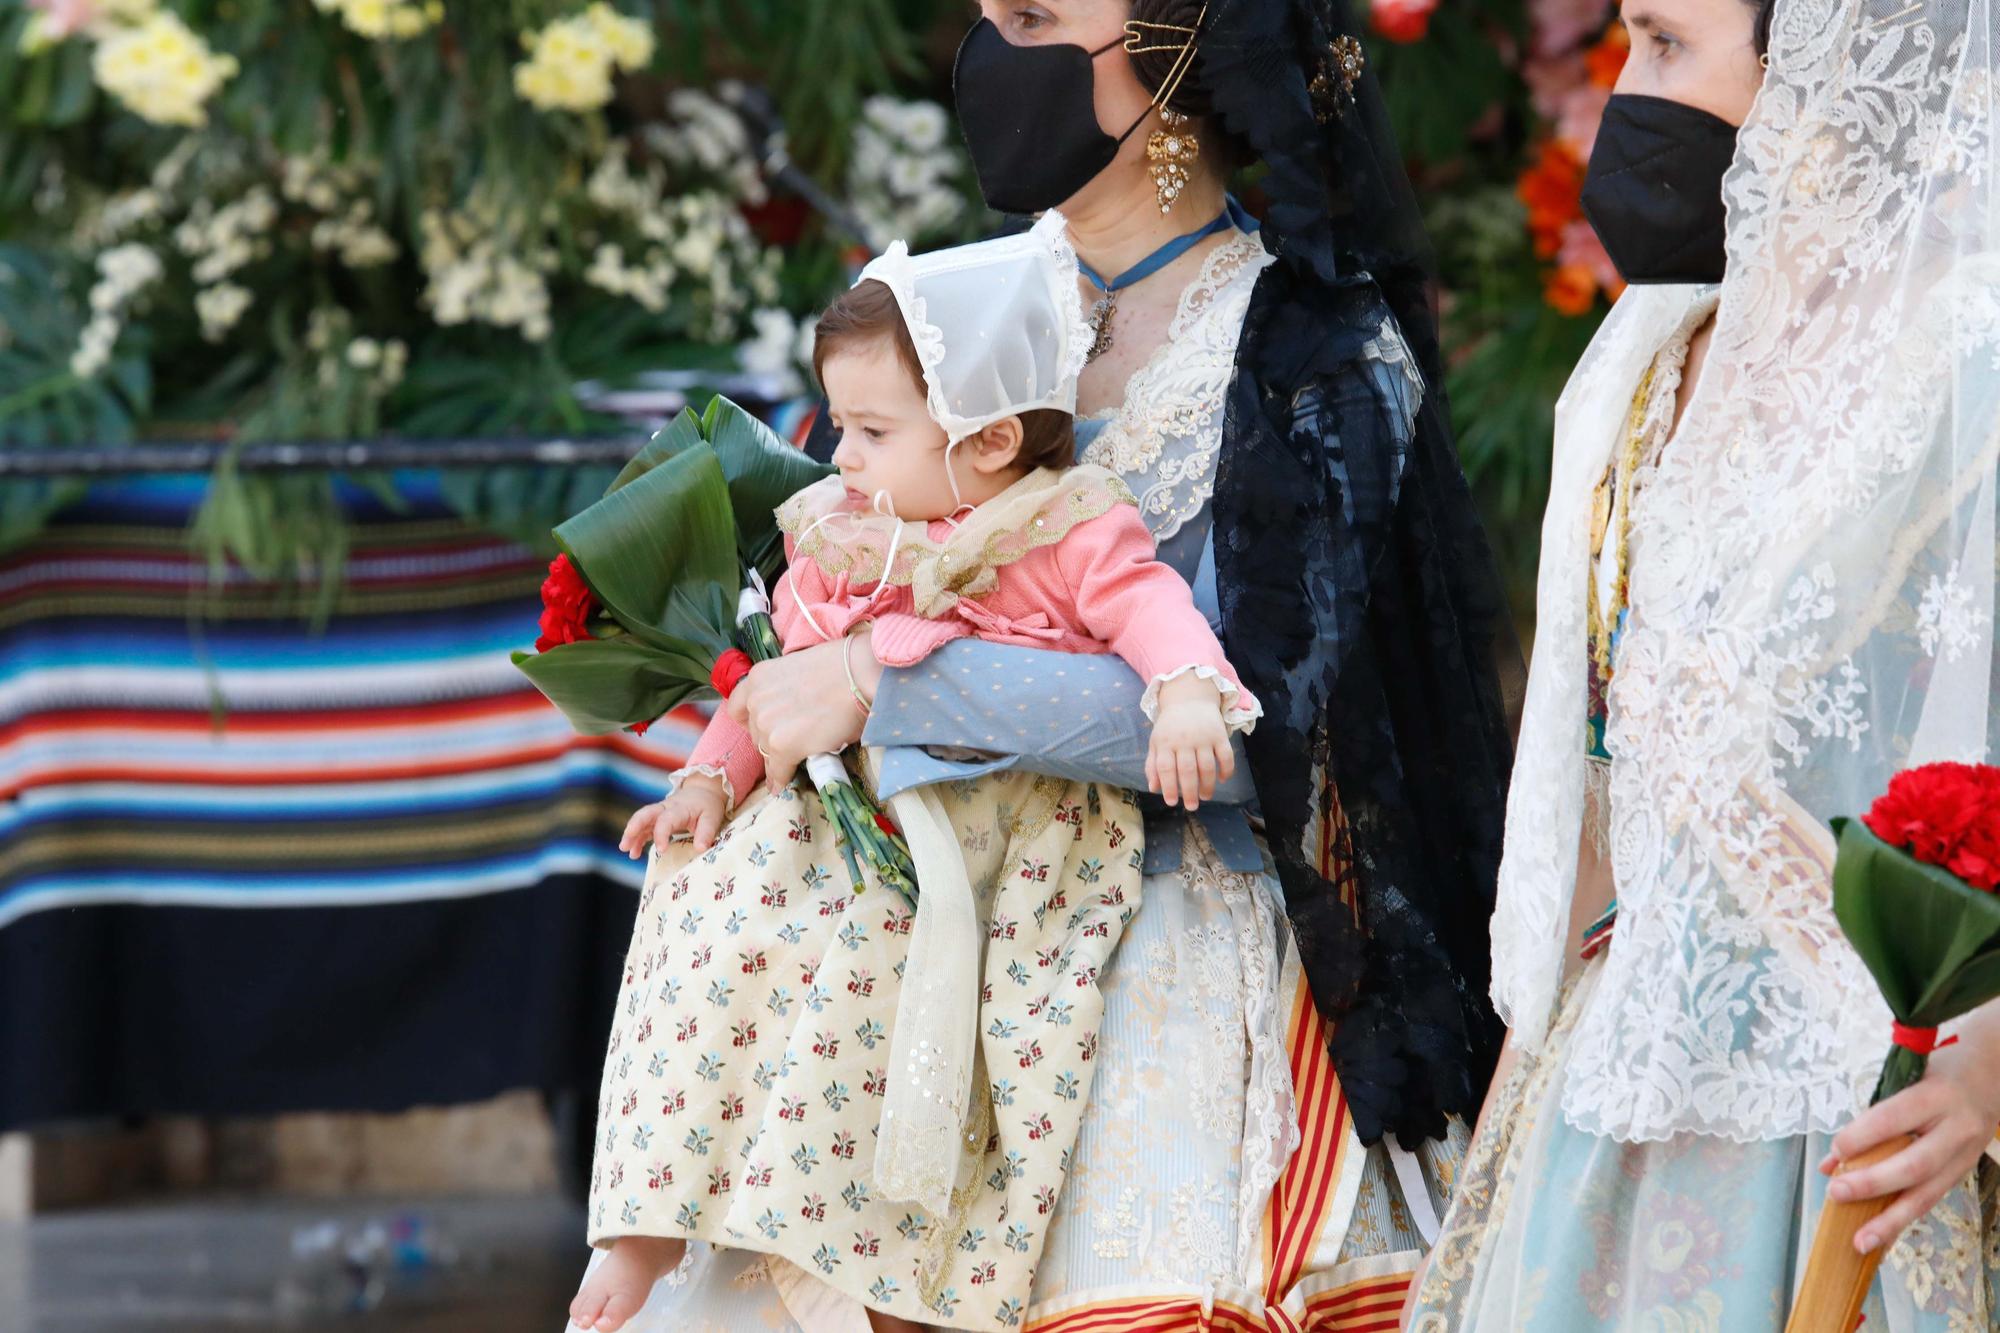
(1812, 579)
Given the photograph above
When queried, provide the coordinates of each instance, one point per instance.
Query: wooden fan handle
(1837, 1279)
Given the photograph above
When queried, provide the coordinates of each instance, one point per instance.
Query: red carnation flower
(566, 606)
(1403, 20)
(1946, 815)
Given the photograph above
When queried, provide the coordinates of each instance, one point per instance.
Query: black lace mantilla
(1360, 600)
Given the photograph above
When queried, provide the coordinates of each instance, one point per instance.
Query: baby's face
(888, 442)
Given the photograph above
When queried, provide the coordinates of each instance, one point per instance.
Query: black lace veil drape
(1360, 600)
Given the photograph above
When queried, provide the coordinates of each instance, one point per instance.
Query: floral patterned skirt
(1555, 1229)
(1216, 1182)
(747, 1067)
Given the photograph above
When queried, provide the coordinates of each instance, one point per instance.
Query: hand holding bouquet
(658, 599)
(1914, 888)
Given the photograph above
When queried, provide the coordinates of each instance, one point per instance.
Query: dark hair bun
(1155, 65)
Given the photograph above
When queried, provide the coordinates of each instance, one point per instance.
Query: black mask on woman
(1029, 115)
(1654, 190)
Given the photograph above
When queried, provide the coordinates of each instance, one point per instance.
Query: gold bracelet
(853, 685)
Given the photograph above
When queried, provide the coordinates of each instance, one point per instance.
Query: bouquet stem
(864, 837)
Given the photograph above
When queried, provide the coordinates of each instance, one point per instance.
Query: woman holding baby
(1293, 1032)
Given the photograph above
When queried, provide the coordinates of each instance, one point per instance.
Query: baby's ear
(996, 448)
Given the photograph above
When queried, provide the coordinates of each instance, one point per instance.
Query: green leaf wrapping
(1931, 941)
(670, 528)
(675, 438)
(763, 471)
(603, 685)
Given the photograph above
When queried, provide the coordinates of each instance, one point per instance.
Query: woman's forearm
(1068, 715)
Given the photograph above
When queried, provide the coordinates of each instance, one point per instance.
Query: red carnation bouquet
(658, 598)
(1914, 888)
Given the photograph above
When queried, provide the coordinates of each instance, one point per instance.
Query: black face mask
(1029, 115)
(1654, 191)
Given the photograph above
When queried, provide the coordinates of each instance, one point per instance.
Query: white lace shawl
(1812, 573)
(1165, 439)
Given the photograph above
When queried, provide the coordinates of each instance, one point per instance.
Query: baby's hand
(1190, 751)
(696, 808)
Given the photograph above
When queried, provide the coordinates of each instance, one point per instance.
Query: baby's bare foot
(617, 1288)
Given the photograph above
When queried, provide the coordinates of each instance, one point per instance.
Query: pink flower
(1551, 79)
(61, 18)
(1562, 25)
(1581, 248)
(1581, 116)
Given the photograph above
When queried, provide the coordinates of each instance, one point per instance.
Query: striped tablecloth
(248, 866)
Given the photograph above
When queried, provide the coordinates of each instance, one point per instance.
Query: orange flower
(1552, 189)
(1570, 288)
(1606, 60)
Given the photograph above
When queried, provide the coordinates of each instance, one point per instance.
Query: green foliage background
(433, 122)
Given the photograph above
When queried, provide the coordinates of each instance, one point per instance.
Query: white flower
(220, 307)
(364, 353)
(126, 211)
(924, 126)
(698, 250)
(772, 349)
(131, 265)
(93, 350)
(911, 175)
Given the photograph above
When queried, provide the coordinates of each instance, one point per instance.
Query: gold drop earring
(1171, 153)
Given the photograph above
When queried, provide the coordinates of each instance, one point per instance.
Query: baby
(745, 1073)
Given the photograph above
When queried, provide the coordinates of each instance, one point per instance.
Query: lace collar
(937, 562)
(1165, 438)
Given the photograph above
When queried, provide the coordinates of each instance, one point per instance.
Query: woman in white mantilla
(1767, 585)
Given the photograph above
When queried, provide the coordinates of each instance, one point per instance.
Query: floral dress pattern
(747, 1067)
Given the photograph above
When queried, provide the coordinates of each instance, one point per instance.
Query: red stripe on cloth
(1374, 1306)
(517, 703)
(1153, 1316)
(481, 761)
(1303, 1196)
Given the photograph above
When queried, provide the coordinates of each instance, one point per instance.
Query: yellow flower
(630, 40)
(571, 61)
(392, 19)
(570, 70)
(161, 70)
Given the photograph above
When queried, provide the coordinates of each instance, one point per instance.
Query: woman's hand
(798, 705)
(1951, 1113)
